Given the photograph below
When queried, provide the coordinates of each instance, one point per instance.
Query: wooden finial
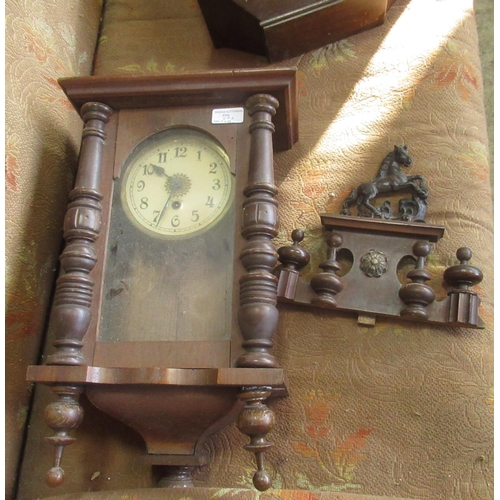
(327, 284)
(293, 257)
(255, 421)
(62, 416)
(417, 295)
(464, 302)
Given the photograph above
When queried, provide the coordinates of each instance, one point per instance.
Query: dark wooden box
(280, 29)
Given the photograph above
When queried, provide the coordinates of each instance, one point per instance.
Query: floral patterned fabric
(44, 41)
(219, 494)
(399, 409)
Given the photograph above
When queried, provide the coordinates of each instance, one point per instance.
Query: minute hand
(164, 208)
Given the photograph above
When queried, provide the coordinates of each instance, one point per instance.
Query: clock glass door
(168, 277)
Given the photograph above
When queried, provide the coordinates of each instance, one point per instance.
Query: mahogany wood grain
(236, 377)
(172, 419)
(415, 230)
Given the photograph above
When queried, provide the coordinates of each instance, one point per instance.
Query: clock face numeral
(148, 169)
(177, 183)
(175, 222)
(180, 152)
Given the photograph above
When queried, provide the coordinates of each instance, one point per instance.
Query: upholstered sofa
(395, 410)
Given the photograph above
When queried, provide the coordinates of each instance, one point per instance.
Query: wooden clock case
(175, 394)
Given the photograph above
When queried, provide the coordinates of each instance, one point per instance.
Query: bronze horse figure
(389, 178)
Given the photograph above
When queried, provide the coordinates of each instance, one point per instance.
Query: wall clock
(165, 307)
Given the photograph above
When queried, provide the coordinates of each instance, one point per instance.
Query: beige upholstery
(402, 410)
(44, 41)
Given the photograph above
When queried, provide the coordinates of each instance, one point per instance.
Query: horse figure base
(410, 210)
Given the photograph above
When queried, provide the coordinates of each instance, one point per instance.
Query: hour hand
(159, 170)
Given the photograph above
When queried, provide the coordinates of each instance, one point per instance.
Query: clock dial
(177, 183)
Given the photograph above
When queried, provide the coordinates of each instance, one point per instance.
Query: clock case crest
(176, 394)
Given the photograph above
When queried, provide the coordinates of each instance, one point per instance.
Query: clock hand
(164, 208)
(178, 185)
(160, 170)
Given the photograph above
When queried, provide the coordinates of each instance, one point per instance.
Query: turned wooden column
(74, 288)
(73, 296)
(257, 315)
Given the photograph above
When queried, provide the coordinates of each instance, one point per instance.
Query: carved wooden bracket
(369, 284)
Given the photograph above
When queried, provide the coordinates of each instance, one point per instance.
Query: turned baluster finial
(255, 421)
(417, 295)
(62, 416)
(327, 284)
(294, 258)
(464, 302)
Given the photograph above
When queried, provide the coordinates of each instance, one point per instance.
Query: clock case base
(174, 409)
